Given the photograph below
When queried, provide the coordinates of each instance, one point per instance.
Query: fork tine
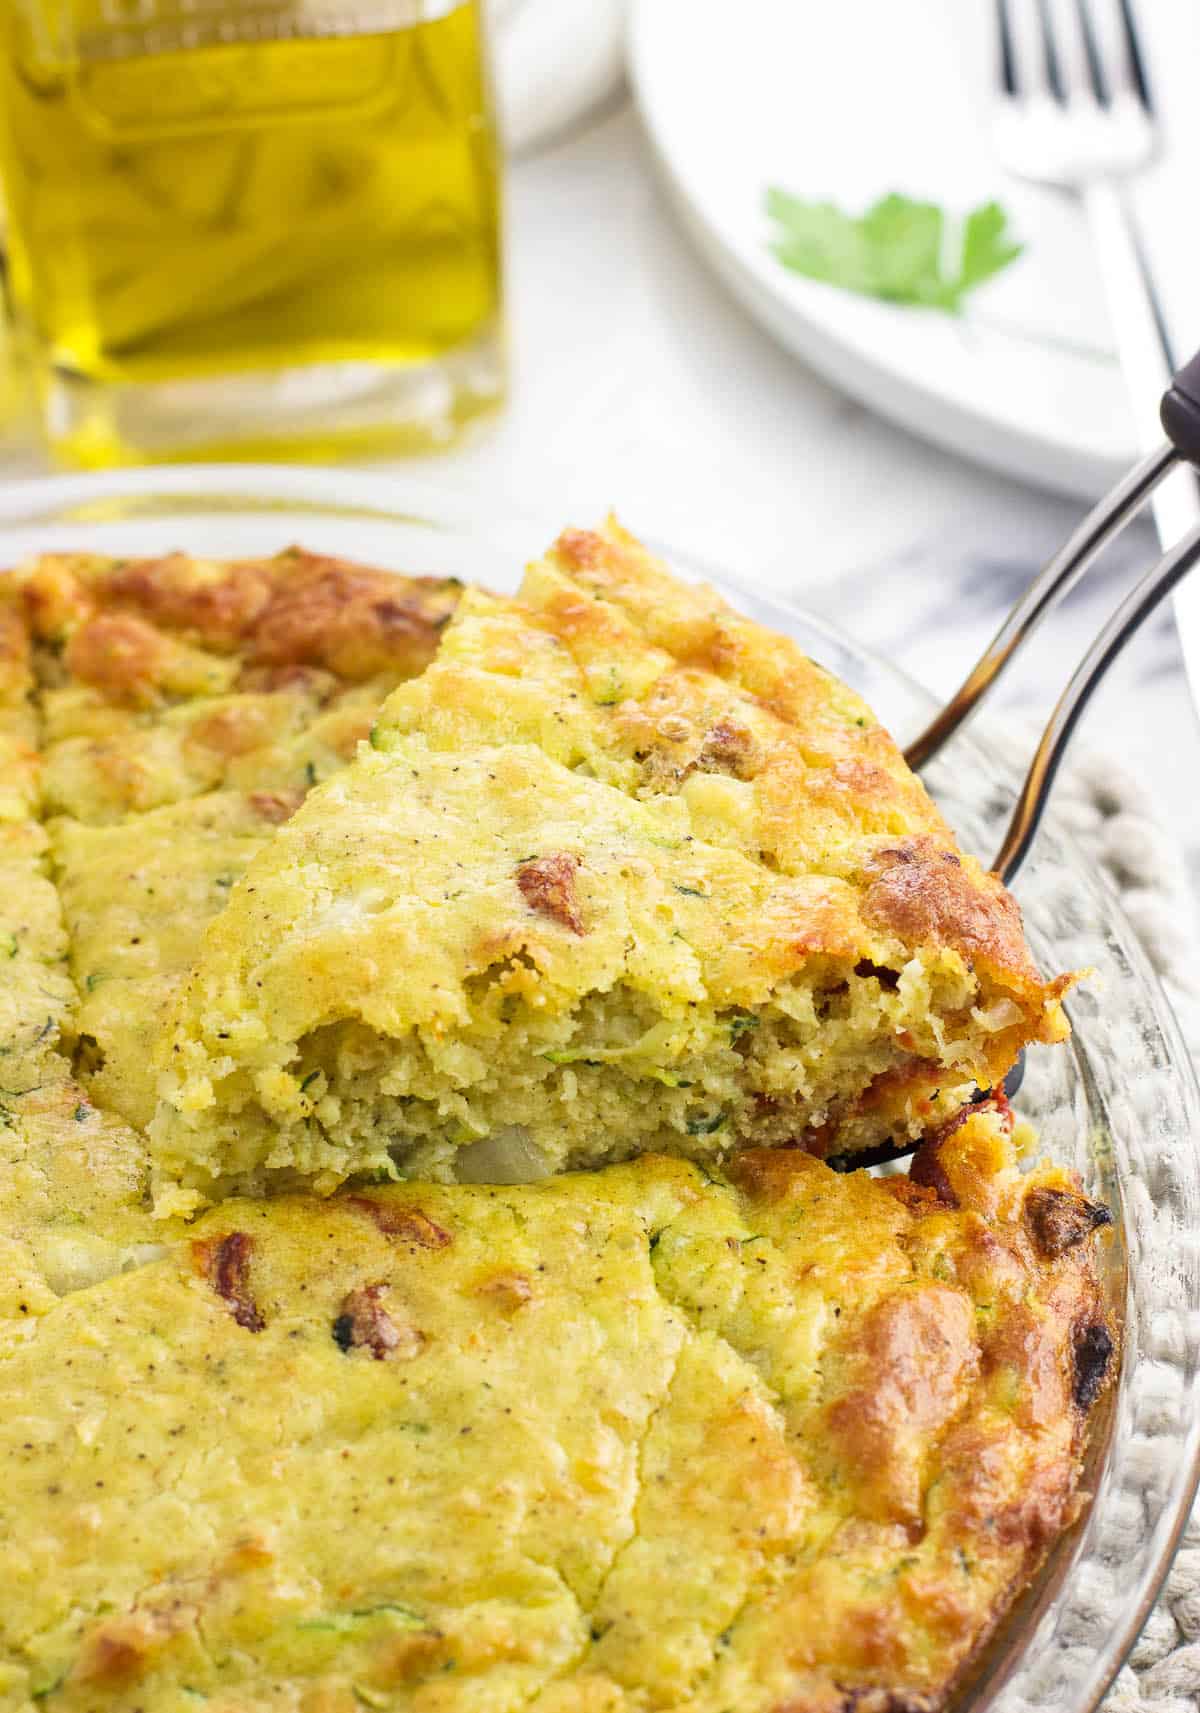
(1137, 60)
(1112, 28)
(1025, 66)
(1007, 50)
(1069, 44)
(1054, 68)
(1097, 53)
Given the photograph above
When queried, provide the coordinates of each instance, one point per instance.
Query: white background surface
(639, 384)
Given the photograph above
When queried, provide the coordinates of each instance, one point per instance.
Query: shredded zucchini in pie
(620, 872)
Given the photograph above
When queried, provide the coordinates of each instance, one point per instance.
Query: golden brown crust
(1023, 1366)
(55, 595)
(914, 1366)
(120, 655)
(922, 892)
(297, 618)
(704, 633)
(309, 681)
(172, 593)
(120, 1650)
(350, 619)
(232, 729)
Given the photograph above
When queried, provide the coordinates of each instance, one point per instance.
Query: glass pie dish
(1119, 1104)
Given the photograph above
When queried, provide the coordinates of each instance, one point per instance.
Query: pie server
(1179, 414)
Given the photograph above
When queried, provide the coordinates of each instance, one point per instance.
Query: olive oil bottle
(251, 228)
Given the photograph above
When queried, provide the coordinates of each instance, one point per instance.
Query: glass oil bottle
(251, 228)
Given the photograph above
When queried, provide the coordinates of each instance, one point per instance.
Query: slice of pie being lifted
(620, 872)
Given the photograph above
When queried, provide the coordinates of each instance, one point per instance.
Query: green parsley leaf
(898, 250)
(987, 245)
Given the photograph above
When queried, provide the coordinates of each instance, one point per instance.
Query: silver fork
(1073, 110)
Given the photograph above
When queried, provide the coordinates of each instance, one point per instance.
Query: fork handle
(1141, 343)
(1145, 356)
(1134, 320)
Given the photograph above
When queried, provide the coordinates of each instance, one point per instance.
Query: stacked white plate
(852, 100)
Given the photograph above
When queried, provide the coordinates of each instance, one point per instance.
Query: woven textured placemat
(1117, 822)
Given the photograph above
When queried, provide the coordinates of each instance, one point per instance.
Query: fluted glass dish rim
(1120, 1103)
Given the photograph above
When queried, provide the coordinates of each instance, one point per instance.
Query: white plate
(851, 100)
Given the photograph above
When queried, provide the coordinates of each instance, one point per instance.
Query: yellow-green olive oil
(229, 196)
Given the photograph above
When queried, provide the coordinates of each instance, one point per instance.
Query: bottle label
(130, 29)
